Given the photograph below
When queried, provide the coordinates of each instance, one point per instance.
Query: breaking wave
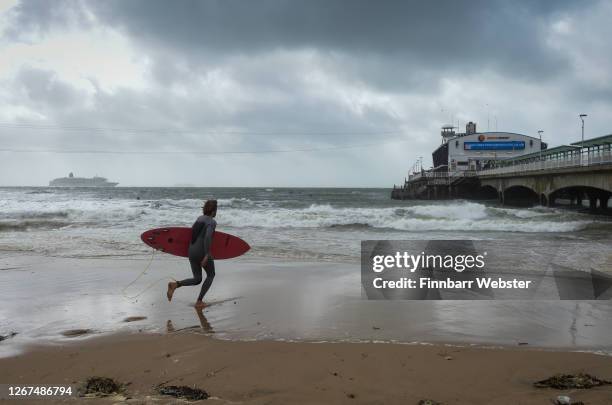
(451, 217)
(303, 224)
(6, 226)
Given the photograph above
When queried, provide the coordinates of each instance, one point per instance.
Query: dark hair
(210, 206)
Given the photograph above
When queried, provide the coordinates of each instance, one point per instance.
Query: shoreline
(78, 337)
(272, 301)
(268, 372)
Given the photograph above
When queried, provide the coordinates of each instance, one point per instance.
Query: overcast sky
(352, 91)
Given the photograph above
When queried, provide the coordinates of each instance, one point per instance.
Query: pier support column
(592, 200)
(579, 198)
(603, 201)
(501, 197)
(603, 198)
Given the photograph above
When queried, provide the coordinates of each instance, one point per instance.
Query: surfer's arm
(208, 236)
(195, 230)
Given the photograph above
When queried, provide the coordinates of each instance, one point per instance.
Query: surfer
(199, 253)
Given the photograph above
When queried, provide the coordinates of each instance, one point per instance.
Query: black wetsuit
(201, 239)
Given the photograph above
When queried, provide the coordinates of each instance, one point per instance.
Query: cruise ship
(72, 181)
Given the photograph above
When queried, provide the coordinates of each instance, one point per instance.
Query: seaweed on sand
(189, 393)
(101, 386)
(568, 381)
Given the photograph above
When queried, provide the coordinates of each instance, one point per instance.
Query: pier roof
(546, 152)
(600, 140)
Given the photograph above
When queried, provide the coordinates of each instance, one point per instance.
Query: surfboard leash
(142, 273)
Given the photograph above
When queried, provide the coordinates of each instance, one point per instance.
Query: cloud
(238, 76)
(438, 36)
(33, 19)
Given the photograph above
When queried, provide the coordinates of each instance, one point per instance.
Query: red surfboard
(175, 241)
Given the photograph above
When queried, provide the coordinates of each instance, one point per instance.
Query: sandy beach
(318, 341)
(305, 373)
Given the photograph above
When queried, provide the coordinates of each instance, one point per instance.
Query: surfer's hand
(204, 260)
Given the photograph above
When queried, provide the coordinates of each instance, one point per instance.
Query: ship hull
(74, 182)
(83, 185)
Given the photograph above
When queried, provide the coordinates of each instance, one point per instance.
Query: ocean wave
(526, 213)
(457, 217)
(354, 225)
(16, 249)
(464, 210)
(39, 192)
(196, 204)
(31, 224)
(301, 225)
(40, 214)
(489, 225)
(245, 212)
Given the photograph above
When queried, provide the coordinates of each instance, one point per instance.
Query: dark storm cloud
(439, 35)
(41, 88)
(38, 17)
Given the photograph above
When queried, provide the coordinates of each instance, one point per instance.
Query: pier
(578, 175)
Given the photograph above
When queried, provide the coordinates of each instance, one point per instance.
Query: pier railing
(429, 175)
(442, 177)
(591, 158)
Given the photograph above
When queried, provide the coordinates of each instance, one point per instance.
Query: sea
(293, 224)
(301, 278)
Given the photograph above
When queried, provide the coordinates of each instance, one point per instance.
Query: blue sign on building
(496, 145)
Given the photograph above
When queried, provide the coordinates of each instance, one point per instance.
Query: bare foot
(169, 326)
(173, 285)
(199, 305)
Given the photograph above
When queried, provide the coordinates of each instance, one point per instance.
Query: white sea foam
(461, 217)
(464, 210)
(86, 223)
(243, 212)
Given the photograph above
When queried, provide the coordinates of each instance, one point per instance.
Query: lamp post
(540, 132)
(582, 116)
(582, 119)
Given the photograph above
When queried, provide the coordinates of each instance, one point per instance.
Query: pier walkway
(567, 175)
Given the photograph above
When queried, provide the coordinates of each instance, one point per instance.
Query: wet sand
(47, 299)
(75, 318)
(306, 373)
